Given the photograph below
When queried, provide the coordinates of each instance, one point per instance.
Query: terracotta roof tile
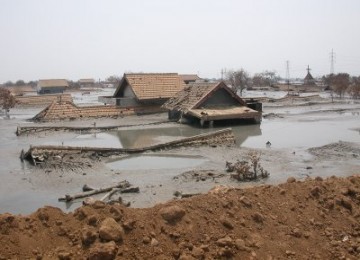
(194, 94)
(51, 83)
(152, 85)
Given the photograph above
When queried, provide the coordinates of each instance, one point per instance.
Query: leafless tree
(338, 82)
(354, 88)
(265, 79)
(7, 100)
(113, 79)
(239, 79)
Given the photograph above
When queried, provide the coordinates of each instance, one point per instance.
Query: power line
(332, 61)
(287, 71)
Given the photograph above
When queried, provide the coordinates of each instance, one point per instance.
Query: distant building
(209, 102)
(309, 79)
(52, 86)
(189, 78)
(23, 90)
(147, 89)
(86, 83)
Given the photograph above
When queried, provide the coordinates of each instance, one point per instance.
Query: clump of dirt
(314, 219)
(199, 175)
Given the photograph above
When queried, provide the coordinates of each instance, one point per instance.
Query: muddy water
(23, 189)
(144, 162)
(300, 132)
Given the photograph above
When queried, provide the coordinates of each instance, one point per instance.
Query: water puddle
(156, 162)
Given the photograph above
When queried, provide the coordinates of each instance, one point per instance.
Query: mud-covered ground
(298, 212)
(309, 138)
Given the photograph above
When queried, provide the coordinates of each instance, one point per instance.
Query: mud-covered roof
(87, 81)
(151, 85)
(189, 77)
(195, 94)
(52, 83)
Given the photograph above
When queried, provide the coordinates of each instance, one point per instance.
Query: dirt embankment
(314, 219)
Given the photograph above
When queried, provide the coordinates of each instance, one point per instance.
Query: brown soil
(314, 219)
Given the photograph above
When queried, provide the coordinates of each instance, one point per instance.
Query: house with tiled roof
(147, 89)
(86, 83)
(189, 78)
(52, 86)
(207, 102)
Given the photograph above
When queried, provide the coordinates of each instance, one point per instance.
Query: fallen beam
(20, 130)
(121, 185)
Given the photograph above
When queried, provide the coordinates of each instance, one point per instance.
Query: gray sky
(75, 39)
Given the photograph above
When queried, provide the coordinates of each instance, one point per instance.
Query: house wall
(127, 102)
(51, 90)
(128, 92)
(174, 115)
(220, 98)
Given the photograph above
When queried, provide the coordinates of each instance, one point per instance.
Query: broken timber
(30, 129)
(39, 154)
(121, 186)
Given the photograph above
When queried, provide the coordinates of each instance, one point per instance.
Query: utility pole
(332, 61)
(288, 75)
(223, 73)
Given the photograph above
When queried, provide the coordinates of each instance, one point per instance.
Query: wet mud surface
(314, 140)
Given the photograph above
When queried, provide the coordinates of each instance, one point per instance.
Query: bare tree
(20, 82)
(338, 82)
(7, 100)
(239, 79)
(354, 88)
(113, 79)
(265, 79)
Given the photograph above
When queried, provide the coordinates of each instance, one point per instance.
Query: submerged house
(147, 89)
(189, 78)
(209, 102)
(52, 86)
(86, 83)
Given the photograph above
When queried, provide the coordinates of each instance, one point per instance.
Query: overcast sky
(75, 39)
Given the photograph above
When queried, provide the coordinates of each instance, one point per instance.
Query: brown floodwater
(23, 188)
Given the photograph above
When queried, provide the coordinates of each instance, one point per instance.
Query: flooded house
(52, 86)
(86, 83)
(210, 102)
(148, 91)
(189, 78)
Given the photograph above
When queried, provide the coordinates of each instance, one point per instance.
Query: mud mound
(314, 219)
(337, 150)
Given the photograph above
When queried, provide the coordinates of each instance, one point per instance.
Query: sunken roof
(52, 83)
(151, 85)
(87, 81)
(195, 94)
(189, 77)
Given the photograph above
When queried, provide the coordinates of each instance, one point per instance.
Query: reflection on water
(144, 162)
(310, 131)
(106, 139)
(305, 134)
(145, 137)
